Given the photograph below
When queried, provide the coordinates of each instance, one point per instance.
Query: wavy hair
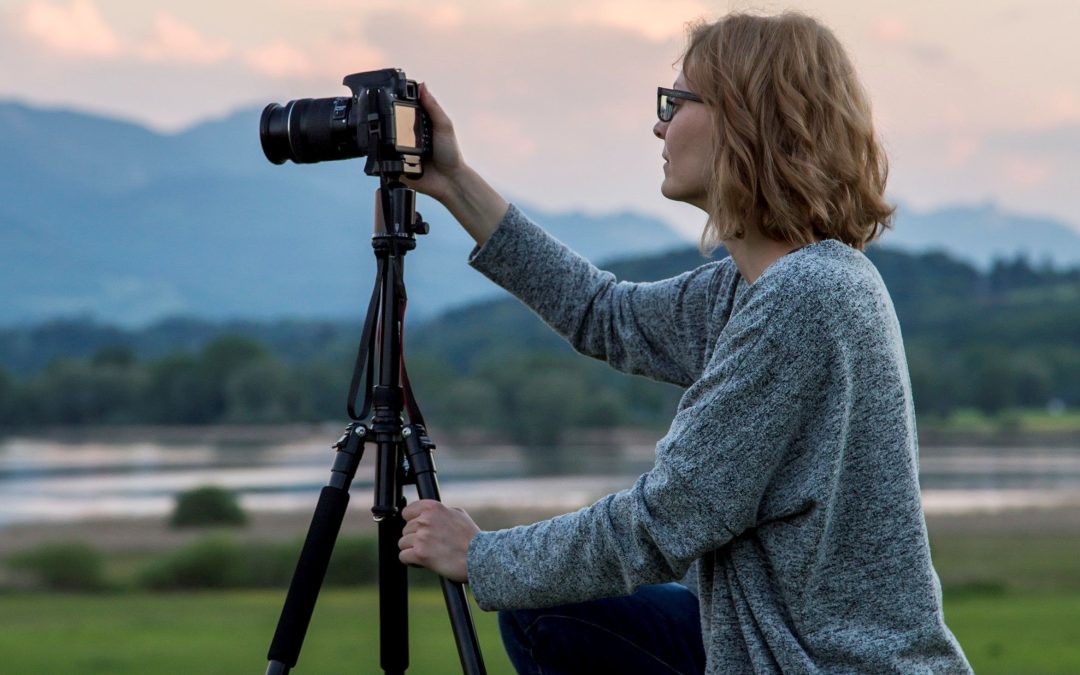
(794, 153)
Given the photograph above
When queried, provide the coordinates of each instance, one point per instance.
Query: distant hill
(106, 220)
(983, 233)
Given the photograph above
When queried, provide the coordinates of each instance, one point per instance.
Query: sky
(554, 100)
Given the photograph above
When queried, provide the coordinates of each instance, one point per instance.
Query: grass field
(1031, 421)
(1011, 579)
(226, 633)
(229, 632)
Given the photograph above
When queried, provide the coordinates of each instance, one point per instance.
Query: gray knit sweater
(789, 474)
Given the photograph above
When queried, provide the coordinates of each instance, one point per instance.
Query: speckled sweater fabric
(789, 474)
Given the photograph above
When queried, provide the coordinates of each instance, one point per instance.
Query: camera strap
(365, 355)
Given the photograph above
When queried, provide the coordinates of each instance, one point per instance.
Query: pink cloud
(653, 20)
(508, 140)
(1026, 172)
(76, 29)
(178, 42)
(278, 59)
(328, 59)
(892, 30)
(1057, 107)
(959, 150)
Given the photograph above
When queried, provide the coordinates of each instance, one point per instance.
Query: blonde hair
(794, 148)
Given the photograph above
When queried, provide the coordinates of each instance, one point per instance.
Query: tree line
(1007, 337)
(532, 398)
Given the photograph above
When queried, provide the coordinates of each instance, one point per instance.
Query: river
(131, 472)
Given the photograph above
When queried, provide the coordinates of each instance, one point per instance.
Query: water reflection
(58, 479)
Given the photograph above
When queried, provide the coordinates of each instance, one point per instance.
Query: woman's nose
(659, 129)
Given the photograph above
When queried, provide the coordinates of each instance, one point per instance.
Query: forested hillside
(1005, 338)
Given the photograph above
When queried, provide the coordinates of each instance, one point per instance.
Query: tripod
(403, 457)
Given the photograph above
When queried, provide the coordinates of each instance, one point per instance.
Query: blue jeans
(655, 630)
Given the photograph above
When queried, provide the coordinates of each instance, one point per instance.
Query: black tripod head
(395, 211)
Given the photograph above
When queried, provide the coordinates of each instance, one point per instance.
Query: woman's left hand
(437, 537)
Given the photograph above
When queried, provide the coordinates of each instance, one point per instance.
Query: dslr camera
(382, 120)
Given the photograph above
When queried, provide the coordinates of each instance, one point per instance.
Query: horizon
(967, 108)
(988, 203)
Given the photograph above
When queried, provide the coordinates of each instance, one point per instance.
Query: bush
(218, 562)
(210, 563)
(207, 506)
(72, 566)
(266, 565)
(355, 561)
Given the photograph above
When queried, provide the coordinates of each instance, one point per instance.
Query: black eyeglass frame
(669, 109)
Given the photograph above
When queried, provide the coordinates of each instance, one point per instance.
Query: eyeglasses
(665, 101)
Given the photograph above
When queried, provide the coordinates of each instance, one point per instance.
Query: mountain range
(109, 220)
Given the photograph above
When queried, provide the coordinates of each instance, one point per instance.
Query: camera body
(382, 120)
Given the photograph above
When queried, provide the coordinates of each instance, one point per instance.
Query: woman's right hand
(443, 170)
(468, 197)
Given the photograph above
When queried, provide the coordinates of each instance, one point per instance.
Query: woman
(789, 475)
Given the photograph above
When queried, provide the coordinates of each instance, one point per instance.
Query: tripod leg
(393, 597)
(307, 580)
(315, 556)
(418, 449)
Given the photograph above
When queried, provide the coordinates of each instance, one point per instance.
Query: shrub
(355, 561)
(210, 563)
(266, 565)
(69, 566)
(219, 562)
(207, 506)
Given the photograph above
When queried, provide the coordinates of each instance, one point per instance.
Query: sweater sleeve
(652, 329)
(732, 432)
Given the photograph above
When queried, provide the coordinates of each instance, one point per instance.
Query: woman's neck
(754, 253)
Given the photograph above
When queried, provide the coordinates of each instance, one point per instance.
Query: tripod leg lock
(349, 449)
(418, 449)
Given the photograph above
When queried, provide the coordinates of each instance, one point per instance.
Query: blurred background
(178, 317)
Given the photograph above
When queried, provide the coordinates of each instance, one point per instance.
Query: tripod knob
(419, 226)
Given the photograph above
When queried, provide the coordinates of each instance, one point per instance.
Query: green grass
(1011, 633)
(1034, 563)
(229, 632)
(1035, 420)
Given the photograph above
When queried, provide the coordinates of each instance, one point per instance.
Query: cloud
(960, 150)
(329, 58)
(445, 15)
(77, 29)
(178, 42)
(891, 30)
(514, 141)
(1026, 172)
(653, 20)
(278, 59)
(1030, 170)
(349, 56)
(1060, 106)
(897, 33)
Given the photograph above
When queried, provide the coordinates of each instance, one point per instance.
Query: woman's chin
(673, 192)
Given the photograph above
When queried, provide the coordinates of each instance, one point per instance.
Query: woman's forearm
(475, 204)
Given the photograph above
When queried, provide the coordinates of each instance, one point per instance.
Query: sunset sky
(977, 100)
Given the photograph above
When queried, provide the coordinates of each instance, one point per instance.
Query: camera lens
(309, 130)
(274, 133)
